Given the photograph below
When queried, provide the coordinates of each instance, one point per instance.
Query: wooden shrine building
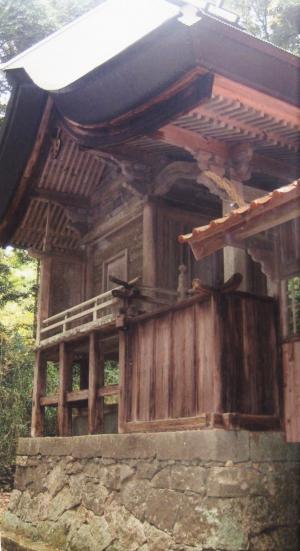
(113, 146)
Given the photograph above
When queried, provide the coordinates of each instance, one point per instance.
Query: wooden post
(44, 293)
(96, 380)
(149, 245)
(122, 417)
(64, 412)
(39, 386)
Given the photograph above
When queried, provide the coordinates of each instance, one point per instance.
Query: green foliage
(277, 21)
(17, 305)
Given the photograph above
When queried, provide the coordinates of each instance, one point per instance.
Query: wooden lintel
(61, 198)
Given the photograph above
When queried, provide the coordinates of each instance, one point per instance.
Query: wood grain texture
(214, 357)
(291, 371)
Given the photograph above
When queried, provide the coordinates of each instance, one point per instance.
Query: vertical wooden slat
(145, 365)
(161, 366)
(291, 369)
(64, 412)
(207, 357)
(39, 387)
(149, 245)
(184, 364)
(96, 380)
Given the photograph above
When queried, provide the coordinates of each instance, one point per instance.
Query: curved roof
(119, 72)
(90, 41)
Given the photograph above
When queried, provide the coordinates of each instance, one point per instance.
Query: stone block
(211, 524)
(203, 445)
(271, 446)
(162, 507)
(236, 481)
(180, 477)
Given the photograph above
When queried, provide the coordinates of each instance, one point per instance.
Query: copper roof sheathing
(216, 231)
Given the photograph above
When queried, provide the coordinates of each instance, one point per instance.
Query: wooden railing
(204, 361)
(95, 312)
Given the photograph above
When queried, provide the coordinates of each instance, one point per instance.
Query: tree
(277, 21)
(18, 274)
(26, 22)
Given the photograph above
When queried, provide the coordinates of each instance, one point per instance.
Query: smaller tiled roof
(238, 219)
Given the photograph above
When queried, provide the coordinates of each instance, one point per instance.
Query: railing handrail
(65, 320)
(80, 305)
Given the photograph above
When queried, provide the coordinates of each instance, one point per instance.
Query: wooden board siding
(291, 374)
(67, 282)
(212, 357)
(248, 354)
(127, 239)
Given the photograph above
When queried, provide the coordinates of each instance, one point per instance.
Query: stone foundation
(207, 490)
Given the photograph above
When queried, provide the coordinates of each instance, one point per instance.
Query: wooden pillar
(39, 387)
(44, 292)
(96, 380)
(149, 244)
(64, 412)
(123, 397)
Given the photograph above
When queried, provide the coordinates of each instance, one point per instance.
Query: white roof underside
(91, 41)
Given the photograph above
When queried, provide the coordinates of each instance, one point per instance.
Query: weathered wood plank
(161, 367)
(145, 363)
(291, 371)
(183, 399)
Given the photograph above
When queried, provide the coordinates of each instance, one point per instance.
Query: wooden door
(170, 223)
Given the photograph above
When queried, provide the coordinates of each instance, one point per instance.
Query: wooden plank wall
(216, 356)
(249, 354)
(291, 375)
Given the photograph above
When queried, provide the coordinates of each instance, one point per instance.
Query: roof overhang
(260, 215)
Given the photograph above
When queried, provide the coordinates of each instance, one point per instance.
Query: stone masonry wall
(206, 490)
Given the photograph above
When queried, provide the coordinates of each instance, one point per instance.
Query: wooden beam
(96, 380)
(39, 386)
(191, 141)
(61, 198)
(64, 412)
(259, 101)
